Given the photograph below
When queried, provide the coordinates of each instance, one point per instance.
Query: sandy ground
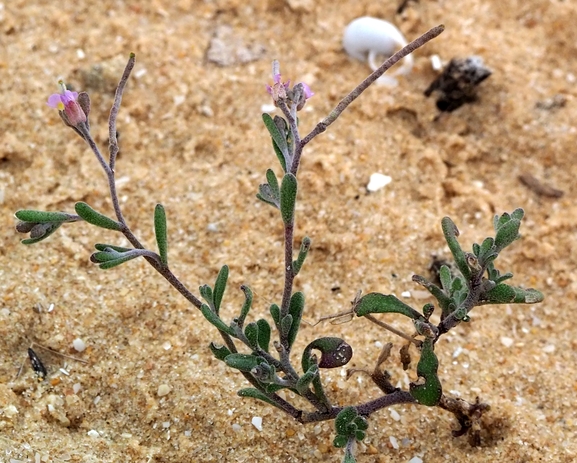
(192, 139)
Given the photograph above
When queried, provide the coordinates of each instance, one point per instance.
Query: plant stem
(366, 409)
(346, 101)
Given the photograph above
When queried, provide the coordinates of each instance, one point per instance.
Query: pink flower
(65, 102)
(307, 89)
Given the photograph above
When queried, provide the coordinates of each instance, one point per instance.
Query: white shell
(367, 38)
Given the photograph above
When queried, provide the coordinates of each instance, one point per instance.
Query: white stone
(163, 390)
(79, 345)
(378, 181)
(257, 422)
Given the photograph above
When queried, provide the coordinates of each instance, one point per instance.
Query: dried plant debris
(541, 189)
(556, 102)
(227, 48)
(457, 84)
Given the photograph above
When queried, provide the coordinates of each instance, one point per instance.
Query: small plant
(247, 344)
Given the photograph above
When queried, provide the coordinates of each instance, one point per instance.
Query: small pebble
(378, 181)
(163, 390)
(93, 433)
(257, 422)
(394, 442)
(79, 345)
(415, 460)
(507, 342)
(10, 411)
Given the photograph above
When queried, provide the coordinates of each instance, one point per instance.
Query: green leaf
(275, 314)
(518, 214)
(251, 333)
(304, 382)
(41, 231)
(220, 352)
(343, 420)
(288, 196)
(256, 394)
(103, 247)
(437, 292)
(335, 352)
(507, 233)
(219, 287)
(486, 248)
(339, 442)
(160, 231)
(245, 306)
(96, 218)
(279, 156)
(305, 246)
(430, 392)
(446, 278)
(296, 309)
(505, 294)
(28, 215)
(206, 293)
(451, 232)
(286, 325)
(266, 196)
(105, 256)
(263, 334)
(279, 140)
(116, 262)
(215, 320)
(243, 362)
(273, 184)
(381, 303)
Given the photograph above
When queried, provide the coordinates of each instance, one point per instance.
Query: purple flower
(66, 103)
(281, 90)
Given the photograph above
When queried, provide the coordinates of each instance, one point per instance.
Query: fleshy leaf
(219, 287)
(507, 233)
(275, 314)
(263, 334)
(114, 263)
(161, 233)
(296, 309)
(215, 320)
(505, 294)
(305, 246)
(279, 140)
(251, 333)
(288, 196)
(102, 247)
(256, 394)
(451, 232)
(96, 218)
(431, 391)
(220, 352)
(243, 362)
(27, 215)
(246, 305)
(273, 184)
(381, 303)
(343, 420)
(305, 380)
